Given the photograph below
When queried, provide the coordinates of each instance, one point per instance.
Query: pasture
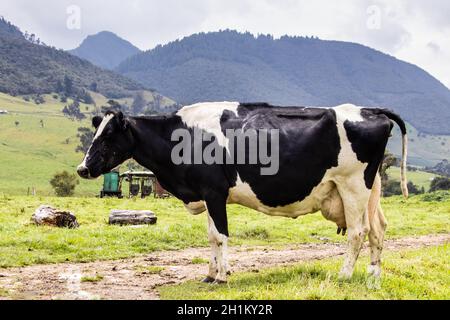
(408, 274)
(22, 243)
(31, 154)
(419, 178)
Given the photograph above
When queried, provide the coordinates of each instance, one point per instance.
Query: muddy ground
(139, 278)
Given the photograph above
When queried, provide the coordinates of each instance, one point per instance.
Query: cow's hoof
(343, 230)
(344, 276)
(208, 279)
(217, 281)
(374, 270)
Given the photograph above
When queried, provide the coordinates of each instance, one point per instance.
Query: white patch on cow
(349, 112)
(102, 126)
(206, 116)
(347, 157)
(99, 132)
(243, 194)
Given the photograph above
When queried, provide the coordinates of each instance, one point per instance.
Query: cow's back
(316, 147)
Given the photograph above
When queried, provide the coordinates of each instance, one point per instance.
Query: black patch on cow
(309, 145)
(369, 139)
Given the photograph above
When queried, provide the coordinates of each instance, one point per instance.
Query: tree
(38, 99)
(73, 111)
(389, 160)
(138, 104)
(68, 86)
(59, 86)
(93, 86)
(85, 135)
(440, 183)
(17, 123)
(85, 97)
(64, 183)
(158, 99)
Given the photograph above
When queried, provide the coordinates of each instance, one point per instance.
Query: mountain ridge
(228, 65)
(105, 49)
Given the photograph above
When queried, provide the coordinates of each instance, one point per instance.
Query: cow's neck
(152, 141)
(153, 148)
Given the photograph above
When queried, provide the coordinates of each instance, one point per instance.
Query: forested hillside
(228, 65)
(28, 66)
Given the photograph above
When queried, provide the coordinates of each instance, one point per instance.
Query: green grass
(31, 154)
(419, 178)
(96, 278)
(23, 243)
(409, 274)
(199, 260)
(150, 269)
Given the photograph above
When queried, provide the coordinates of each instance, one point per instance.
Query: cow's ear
(123, 122)
(96, 121)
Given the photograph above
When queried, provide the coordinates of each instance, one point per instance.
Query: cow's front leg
(218, 239)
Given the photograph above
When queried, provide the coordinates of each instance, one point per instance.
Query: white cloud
(413, 30)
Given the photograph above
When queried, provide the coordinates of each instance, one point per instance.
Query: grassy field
(419, 178)
(409, 274)
(22, 243)
(31, 154)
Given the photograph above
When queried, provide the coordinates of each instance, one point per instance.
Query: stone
(50, 216)
(132, 217)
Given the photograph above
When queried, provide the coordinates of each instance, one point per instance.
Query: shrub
(64, 183)
(393, 188)
(441, 195)
(440, 183)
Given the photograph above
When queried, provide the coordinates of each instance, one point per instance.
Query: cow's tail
(396, 118)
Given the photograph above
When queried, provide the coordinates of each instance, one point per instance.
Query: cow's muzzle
(83, 172)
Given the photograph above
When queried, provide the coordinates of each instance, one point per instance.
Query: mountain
(105, 49)
(228, 65)
(29, 67)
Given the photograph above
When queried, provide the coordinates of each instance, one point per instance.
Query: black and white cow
(328, 160)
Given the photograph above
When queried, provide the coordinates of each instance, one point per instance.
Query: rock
(133, 217)
(47, 215)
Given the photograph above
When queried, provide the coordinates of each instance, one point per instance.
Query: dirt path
(138, 278)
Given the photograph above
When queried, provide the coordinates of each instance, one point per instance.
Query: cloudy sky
(417, 31)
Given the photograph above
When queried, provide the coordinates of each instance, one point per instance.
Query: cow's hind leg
(377, 229)
(218, 239)
(355, 197)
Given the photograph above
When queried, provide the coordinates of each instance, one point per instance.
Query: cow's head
(111, 146)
